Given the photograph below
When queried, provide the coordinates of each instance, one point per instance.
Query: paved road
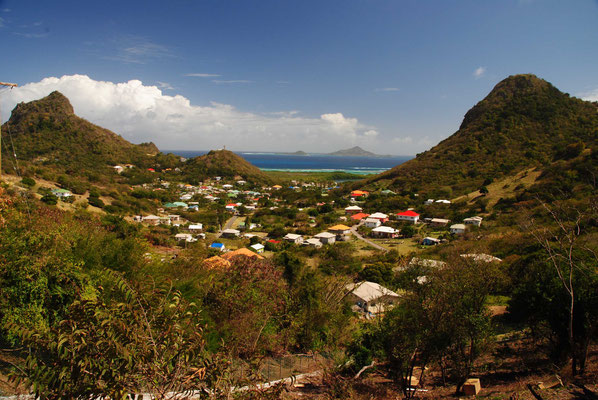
(228, 224)
(358, 236)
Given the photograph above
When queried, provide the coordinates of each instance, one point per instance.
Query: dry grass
(504, 188)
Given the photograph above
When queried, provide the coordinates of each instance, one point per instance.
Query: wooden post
(11, 85)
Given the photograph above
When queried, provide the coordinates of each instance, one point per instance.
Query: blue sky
(391, 76)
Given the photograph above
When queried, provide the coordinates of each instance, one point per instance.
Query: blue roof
(217, 245)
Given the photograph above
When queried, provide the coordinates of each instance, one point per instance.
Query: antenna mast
(10, 85)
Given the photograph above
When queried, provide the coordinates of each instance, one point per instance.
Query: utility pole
(10, 85)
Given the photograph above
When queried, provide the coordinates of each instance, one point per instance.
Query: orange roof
(216, 262)
(241, 252)
(339, 228)
(358, 193)
(359, 216)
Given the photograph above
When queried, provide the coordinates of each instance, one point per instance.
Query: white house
(258, 247)
(195, 228)
(326, 237)
(475, 221)
(231, 233)
(439, 221)
(372, 223)
(380, 216)
(187, 237)
(151, 220)
(371, 298)
(293, 238)
(313, 242)
(118, 169)
(385, 231)
(61, 193)
(409, 215)
(458, 229)
(353, 209)
(441, 201)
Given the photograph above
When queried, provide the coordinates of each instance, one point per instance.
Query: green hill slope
(223, 163)
(47, 132)
(524, 122)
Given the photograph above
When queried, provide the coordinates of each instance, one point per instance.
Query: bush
(30, 182)
(96, 202)
(50, 199)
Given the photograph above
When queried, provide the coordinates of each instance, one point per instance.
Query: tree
(567, 234)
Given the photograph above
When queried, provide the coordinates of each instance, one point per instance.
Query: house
(458, 229)
(359, 193)
(409, 215)
(353, 209)
(475, 221)
(227, 186)
(61, 193)
(277, 187)
(372, 223)
(241, 182)
(359, 216)
(378, 215)
(241, 252)
(371, 298)
(218, 246)
(441, 201)
(187, 237)
(387, 192)
(175, 219)
(232, 206)
(258, 248)
(151, 220)
(430, 241)
(313, 242)
(195, 228)
(326, 237)
(293, 238)
(428, 202)
(230, 233)
(385, 232)
(118, 169)
(342, 232)
(439, 222)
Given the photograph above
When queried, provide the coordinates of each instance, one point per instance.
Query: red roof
(232, 205)
(359, 216)
(274, 241)
(409, 213)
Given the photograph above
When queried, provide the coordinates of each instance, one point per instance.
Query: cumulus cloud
(592, 95)
(479, 72)
(143, 113)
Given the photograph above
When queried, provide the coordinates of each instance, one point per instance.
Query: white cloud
(143, 113)
(479, 72)
(387, 89)
(200, 75)
(591, 95)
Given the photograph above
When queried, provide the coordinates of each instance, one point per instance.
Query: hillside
(524, 122)
(223, 163)
(47, 132)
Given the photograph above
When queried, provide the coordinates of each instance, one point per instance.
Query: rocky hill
(223, 163)
(524, 122)
(47, 132)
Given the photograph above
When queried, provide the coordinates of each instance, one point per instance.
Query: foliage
(148, 341)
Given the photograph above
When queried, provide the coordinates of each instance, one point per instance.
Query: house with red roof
(359, 216)
(408, 215)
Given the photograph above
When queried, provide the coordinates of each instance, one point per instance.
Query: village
(231, 217)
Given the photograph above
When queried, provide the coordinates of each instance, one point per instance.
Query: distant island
(356, 152)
